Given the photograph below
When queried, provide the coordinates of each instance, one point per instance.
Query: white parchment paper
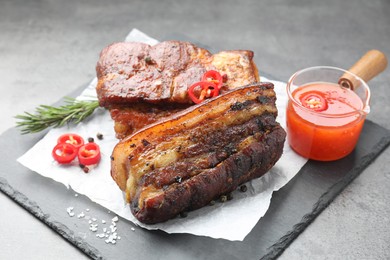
(232, 220)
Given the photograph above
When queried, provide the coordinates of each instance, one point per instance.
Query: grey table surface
(49, 48)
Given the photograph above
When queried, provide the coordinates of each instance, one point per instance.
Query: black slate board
(292, 208)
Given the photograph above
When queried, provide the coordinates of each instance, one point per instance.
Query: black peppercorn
(99, 136)
(243, 188)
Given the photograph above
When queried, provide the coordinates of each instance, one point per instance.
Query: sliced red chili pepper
(207, 89)
(89, 154)
(314, 100)
(73, 139)
(64, 153)
(213, 76)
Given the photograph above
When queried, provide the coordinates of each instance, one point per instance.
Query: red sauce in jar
(324, 123)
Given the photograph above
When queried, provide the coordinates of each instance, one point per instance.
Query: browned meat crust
(130, 119)
(131, 72)
(141, 84)
(182, 163)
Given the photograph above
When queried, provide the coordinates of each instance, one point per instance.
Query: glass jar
(326, 127)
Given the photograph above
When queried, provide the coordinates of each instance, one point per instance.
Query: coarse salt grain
(110, 234)
(93, 227)
(111, 239)
(70, 211)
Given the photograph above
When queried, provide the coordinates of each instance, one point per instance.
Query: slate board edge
(273, 252)
(325, 199)
(33, 208)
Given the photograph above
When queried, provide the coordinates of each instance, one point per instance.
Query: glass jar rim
(363, 111)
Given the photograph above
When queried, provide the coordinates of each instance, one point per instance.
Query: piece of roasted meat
(141, 84)
(196, 155)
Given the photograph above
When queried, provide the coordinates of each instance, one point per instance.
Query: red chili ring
(205, 86)
(89, 154)
(72, 139)
(314, 100)
(64, 153)
(213, 76)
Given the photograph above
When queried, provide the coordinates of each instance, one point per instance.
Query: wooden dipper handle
(370, 64)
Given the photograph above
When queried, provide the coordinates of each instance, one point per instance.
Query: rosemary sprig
(73, 111)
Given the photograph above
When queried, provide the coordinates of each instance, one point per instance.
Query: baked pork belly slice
(131, 73)
(195, 156)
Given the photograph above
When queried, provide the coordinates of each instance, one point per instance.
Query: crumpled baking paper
(232, 220)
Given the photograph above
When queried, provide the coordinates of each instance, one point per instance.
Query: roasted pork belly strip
(199, 154)
(141, 84)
